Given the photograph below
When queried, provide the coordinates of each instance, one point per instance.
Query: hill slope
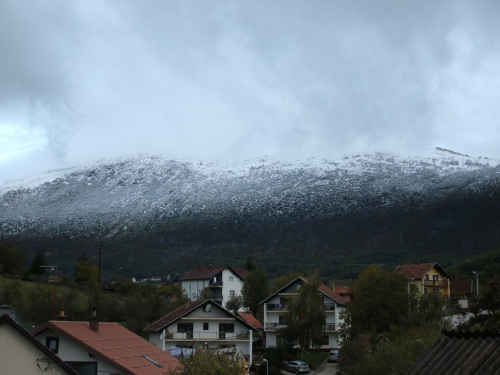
(158, 216)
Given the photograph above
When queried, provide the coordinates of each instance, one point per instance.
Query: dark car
(333, 356)
(299, 367)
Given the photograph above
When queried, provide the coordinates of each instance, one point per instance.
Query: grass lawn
(313, 359)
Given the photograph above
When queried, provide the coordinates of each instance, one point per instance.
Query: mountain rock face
(158, 216)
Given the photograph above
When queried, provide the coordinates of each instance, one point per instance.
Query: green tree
(11, 259)
(305, 316)
(234, 303)
(85, 272)
(208, 362)
(380, 299)
(38, 264)
(255, 289)
(486, 308)
(249, 264)
(205, 293)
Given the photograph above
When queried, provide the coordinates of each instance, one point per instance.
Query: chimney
(62, 316)
(94, 320)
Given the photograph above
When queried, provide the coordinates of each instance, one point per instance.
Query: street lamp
(267, 365)
(409, 299)
(477, 282)
(55, 289)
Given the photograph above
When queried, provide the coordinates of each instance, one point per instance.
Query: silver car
(299, 367)
(333, 356)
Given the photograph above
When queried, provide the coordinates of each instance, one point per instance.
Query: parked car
(299, 367)
(333, 356)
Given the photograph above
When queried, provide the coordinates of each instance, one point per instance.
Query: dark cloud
(245, 78)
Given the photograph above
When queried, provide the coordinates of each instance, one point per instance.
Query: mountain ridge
(258, 205)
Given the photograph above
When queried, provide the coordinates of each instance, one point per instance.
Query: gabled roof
(186, 309)
(460, 353)
(5, 319)
(252, 320)
(208, 272)
(417, 271)
(322, 289)
(115, 345)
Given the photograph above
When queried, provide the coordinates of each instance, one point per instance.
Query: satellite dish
(208, 307)
(299, 286)
(162, 336)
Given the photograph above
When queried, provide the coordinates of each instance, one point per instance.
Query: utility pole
(99, 273)
(477, 282)
(55, 290)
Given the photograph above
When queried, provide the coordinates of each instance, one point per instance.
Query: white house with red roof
(105, 348)
(275, 308)
(204, 324)
(222, 281)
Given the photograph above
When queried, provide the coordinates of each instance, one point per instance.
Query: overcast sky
(87, 80)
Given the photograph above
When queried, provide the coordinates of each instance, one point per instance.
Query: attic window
(152, 361)
(52, 343)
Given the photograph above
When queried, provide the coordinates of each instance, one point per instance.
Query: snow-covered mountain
(129, 198)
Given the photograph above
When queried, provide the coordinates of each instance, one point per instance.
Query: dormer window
(52, 343)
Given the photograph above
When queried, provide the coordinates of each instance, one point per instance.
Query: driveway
(324, 369)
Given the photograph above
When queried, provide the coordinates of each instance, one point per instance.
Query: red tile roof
(417, 271)
(252, 320)
(115, 345)
(208, 272)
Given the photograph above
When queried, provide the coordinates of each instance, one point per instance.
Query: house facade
(202, 325)
(105, 348)
(428, 278)
(222, 281)
(275, 308)
(21, 353)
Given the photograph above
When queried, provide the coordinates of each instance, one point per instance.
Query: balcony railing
(274, 326)
(208, 335)
(275, 306)
(436, 282)
(215, 283)
(330, 327)
(329, 306)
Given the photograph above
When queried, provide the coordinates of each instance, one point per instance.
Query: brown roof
(462, 286)
(417, 271)
(460, 353)
(187, 308)
(323, 289)
(252, 320)
(178, 313)
(5, 319)
(207, 272)
(115, 345)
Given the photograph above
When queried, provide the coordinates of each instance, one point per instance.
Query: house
(222, 281)
(460, 353)
(275, 310)
(428, 278)
(202, 324)
(105, 348)
(21, 353)
(460, 293)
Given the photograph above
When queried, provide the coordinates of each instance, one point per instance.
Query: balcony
(330, 327)
(330, 307)
(207, 335)
(442, 283)
(275, 307)
(274, 326)
(217, 283)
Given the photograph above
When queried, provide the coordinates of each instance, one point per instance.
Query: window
(282, 320)
(84, 368)
(184, 327)
(326, 340)
(226, 327)
(232, 293)
(205, 326)
(231, 279)
(427, 277)
(52, 343)
(436, 291)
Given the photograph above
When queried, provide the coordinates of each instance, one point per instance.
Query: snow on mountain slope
(114, 197)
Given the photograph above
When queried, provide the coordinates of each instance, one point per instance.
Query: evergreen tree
(255, 289)
(11, 259)
(38, 264)
(85, 272)
(249, 264)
